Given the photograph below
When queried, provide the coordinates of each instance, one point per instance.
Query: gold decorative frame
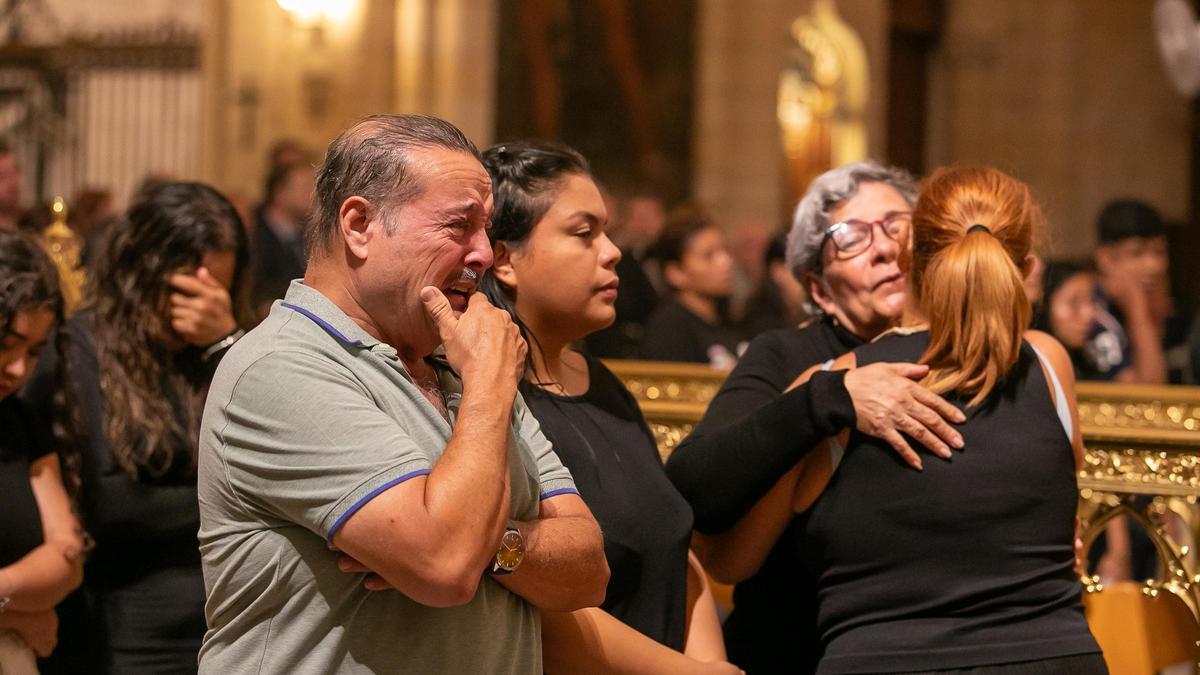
(1142, 456)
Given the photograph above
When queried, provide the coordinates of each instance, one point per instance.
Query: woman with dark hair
(144, 348)
(554, 272)
(779, 300)
(41, 542)
(1068, 310)
(696, 266)
(967, 566)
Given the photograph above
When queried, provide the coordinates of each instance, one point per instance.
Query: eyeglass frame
(870, 225)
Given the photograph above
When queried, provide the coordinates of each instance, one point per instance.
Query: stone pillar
(446, 62)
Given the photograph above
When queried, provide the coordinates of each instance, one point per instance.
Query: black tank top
(967, 563)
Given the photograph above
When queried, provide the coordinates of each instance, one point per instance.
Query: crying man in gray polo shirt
(374, 495)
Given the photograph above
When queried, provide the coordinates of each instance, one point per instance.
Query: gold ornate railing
(1142, 458)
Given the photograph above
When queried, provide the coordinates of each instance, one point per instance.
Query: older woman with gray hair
(844, 247)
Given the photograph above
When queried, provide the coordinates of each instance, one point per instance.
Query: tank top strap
(1060, 397)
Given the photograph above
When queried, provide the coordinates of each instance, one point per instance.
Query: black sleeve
(752, 434)
(1194, 349)
(37, 396)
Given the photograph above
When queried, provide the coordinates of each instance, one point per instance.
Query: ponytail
(972, 229)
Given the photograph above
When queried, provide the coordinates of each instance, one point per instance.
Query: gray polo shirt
(308, 418)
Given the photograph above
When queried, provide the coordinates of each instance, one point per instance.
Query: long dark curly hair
(153, 390)
(28, 283)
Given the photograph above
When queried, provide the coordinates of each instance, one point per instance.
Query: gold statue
(823, 93)
(63, 246)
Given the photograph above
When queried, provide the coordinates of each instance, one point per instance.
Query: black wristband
(222, 344)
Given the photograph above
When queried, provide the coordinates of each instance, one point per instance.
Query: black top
(674, 333)
(138, 525)
(143, 577)
(752, 433)
(965, 564)
(765, 310)
(276, 262)
(23, 441)
(603, 440)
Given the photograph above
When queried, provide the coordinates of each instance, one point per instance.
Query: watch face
(512, 550)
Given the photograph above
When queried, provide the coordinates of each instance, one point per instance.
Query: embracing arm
(45, 575)
(704, 640)
(886, 401)
(753, 432)
(736, 554)
(593, 641)
(758, 428)
(38, 629)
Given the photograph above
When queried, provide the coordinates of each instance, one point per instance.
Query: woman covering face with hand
(554, 272)
(144, 347)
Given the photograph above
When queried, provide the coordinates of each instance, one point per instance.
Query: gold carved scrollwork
(1140, 441)
(672, 396)
(1141, 471)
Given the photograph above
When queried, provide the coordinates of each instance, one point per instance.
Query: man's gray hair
(811, 221)
(372, 160)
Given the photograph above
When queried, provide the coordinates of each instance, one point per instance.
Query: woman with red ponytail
(966, 566)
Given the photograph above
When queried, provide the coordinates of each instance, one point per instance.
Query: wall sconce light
(312, 12)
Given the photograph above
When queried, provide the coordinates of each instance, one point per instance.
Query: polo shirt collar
(320, 310)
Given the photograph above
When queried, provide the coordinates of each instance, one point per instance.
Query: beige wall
(418, 56)
(1069, 96)
(307, 82)
(737, 155)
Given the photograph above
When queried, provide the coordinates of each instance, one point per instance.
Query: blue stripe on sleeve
(560, 491)
(368, 497)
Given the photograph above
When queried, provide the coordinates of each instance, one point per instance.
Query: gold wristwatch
(510, 554)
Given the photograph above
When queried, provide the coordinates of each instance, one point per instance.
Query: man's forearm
(564, 567)
(467, 491)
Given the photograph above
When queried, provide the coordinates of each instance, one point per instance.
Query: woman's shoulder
(794, 347)
(895, 345)
(1053, 352)
(604, 383)
(785, 340)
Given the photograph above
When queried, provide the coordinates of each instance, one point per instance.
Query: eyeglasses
(855, 236)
